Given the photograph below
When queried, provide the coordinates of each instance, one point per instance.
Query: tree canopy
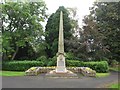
(23, 35)
(102, 25)
(21, 26)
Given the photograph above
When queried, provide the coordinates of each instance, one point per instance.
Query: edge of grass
(114, 85)
(11, 73)
(117, 69)
(102, 74)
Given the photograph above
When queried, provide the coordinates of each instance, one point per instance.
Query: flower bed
(38, 70)
(88, 71)
(33, 71)
(84, 70)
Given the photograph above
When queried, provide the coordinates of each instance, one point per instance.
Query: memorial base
(67, 74)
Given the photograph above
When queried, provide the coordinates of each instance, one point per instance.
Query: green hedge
(52, 61)
(101, 66)
(20, 65)
(73, 63)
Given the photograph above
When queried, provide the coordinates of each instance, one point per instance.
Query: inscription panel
(60, 63)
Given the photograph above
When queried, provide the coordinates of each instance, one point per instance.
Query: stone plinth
(61, 68)
(67, 74)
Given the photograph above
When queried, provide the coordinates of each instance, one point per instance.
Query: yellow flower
(87, 68)
(32, 68)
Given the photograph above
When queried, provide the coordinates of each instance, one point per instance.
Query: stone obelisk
(61, 70)
(61, 67)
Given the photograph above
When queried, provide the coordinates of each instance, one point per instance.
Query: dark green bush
(20, 65)
(73, 63)
(52, 61)
(43, 59)
(114, 63)
(69, 56)
(101, 66)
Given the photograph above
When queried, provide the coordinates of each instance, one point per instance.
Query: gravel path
(42, 82)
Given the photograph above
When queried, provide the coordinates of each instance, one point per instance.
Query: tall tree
(107, 18)
(21, 26)
(93, 40)
(52, 29)
(74, 21)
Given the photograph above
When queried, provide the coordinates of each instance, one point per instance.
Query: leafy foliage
(73, 63)
(20, 65)
(101, 66)
(102, 28)
(21, 25)
(43, 59)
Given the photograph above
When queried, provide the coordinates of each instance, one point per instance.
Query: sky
(81, 5)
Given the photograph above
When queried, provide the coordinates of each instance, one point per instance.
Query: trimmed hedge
(20, 65)
(100, 66)
(73, 63)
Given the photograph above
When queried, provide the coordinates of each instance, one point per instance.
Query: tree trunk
(15, 53)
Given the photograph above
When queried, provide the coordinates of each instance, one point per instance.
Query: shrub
(52, 61)
(73, 63)
(20, 65)
(101, 66)
(69, 56)
(114, 63)
(43, 59)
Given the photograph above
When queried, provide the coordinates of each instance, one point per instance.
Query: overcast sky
(81, 5)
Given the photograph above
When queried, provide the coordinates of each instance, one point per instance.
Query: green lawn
(115, 86)
(11, 73)
(114, 68)
(102, 74)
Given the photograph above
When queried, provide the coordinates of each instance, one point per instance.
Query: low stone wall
(84, 70)
(37, 70)
(88, 72)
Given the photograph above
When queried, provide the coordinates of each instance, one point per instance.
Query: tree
(74, 45)
(93, 40)
(21, 26)
(74, 21)
(107, 18)
(52, 30)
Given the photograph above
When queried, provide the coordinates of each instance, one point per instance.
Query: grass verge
(102, 74)
(115, 68)
(115, 85)
(11, 73)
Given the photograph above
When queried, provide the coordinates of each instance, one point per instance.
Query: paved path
(42, 82)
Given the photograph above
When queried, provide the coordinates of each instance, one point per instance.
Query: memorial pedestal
(67, 74)
(61, 68)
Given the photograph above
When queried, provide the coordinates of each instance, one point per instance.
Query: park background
(27, 41)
